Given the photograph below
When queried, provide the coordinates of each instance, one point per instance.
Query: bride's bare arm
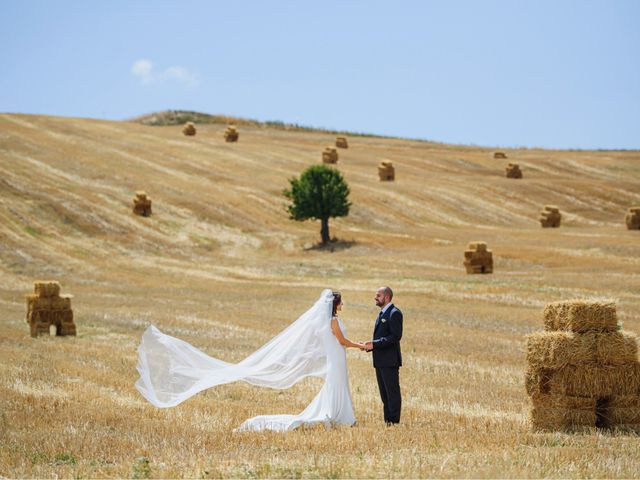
(335, 328)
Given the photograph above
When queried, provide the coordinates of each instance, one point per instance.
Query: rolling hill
(220, 265)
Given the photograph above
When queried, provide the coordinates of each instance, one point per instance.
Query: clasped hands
(365, 346)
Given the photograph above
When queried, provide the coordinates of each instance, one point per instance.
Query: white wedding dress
(172, 370)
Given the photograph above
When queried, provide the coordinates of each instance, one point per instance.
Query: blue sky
(557, 74)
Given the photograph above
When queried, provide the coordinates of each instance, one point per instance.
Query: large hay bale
(330, 155)
(621, 411)
(554, 350)
(499, 155)
(632, 218)
(341, 142)
(550, 217)
(142, 204)
(585, 381)
(477, 259)
(599, 381)
(231, 134)
(581, 316)
(386, 171)
(560, 412)
(46, 288)
(512, 170)
(582, 371)
(46, 308)
(189, 129)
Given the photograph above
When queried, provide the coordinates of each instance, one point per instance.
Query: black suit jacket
(386, 339)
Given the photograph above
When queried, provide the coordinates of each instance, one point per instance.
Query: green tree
(320, 192)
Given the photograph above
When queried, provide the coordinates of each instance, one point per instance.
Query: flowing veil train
(172, 370)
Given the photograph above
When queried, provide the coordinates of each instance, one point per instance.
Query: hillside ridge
(180, 117)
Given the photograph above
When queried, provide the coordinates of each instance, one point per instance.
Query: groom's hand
(368, 346)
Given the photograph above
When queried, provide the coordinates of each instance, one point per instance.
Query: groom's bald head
(387, 292)
(383, 296)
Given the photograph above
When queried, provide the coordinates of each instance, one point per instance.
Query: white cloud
(145, 71)
(182, 75)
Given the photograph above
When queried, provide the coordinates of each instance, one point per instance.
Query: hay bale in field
(632, 218)
(46, 307)
(561, 412)
(189, 129)
(46, 289)
(555, 350)
(386, 171)
(585, 381)
(330, 155)
(142, 204)
(231, 134)
(341, 142)
(512, 170)
(581, 316)
(550, 216)
(477, 259)
(582, 371)
(622, 411)
(499, 155)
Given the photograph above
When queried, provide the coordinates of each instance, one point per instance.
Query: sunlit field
(220, 265)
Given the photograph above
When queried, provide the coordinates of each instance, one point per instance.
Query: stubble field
(219, 265)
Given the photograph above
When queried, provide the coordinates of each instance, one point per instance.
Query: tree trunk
(324, 230)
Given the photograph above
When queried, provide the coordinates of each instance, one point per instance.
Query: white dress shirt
(384, 309)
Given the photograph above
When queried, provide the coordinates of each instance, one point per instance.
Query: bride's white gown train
(172, 370)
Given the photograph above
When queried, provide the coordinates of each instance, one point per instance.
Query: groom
(387, 359)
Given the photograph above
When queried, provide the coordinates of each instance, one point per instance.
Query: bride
(172, 370)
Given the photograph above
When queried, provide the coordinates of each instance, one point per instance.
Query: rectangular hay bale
(601, 381)
(561, 412)
(619, 411)
(551, 419)
(581, 316)
(61, 303)
(554, 350)
(581, 381)
(46, 288)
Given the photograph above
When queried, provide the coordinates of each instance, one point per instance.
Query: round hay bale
(189, 129)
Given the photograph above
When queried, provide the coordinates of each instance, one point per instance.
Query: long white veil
(172, 370)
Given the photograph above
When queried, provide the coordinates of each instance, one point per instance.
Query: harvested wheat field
(221, 266)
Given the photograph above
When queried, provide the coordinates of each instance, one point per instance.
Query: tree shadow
(334, 245)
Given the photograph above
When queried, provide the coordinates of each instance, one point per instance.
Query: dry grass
(219, 265)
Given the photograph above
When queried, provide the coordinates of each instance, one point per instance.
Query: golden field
(220, 265)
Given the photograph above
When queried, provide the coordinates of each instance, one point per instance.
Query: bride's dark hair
(337, 298)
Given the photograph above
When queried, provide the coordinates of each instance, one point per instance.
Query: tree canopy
(320, 193)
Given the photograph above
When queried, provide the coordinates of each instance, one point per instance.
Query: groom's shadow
(334, 245)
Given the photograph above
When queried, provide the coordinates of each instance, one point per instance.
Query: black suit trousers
(389, 385)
